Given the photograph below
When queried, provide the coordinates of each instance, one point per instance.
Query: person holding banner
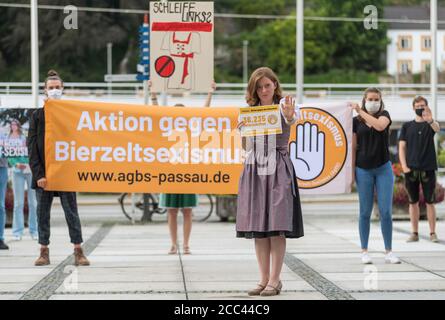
(21, 173)
(268, 208)
(36, 150)
(372, 169)
(3, 186)
(184, 202)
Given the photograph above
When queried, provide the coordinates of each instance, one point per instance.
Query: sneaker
(414, 237)
(3, 245)
(433, 238)
(34, 237)
(366, 259)
(392, 258)
(16, 238)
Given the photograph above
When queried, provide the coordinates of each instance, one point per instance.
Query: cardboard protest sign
(181, 46)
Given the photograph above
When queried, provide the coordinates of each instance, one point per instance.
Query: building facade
(409, 50)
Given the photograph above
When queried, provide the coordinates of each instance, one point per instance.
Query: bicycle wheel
(126, 202)
(202, 216)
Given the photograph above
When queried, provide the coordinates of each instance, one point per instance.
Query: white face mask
(55, 94)
(372, 106)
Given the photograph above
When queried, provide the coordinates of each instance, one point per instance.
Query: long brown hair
(19, 126)
(365, 95)
(252, 98)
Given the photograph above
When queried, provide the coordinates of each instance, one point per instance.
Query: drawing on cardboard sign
(182, 40)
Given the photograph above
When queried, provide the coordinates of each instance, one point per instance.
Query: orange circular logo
(318, 148)
(272, 119)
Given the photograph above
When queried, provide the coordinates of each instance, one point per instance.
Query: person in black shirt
(417, 155)
(372, 169)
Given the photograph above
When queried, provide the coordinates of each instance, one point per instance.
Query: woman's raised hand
(288, 107)
(354, 106)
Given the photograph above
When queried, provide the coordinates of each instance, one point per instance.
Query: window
(405, 43)
(404, 67)
(426, 66)
(426, 43)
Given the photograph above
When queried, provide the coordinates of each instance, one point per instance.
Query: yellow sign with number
(260, 121)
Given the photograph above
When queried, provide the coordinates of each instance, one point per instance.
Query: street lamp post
(35, 53)
(433, 68)
(109, 65)
(300, 51)
(245, 61)
(433, 72)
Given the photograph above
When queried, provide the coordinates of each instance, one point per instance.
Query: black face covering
(419, 112)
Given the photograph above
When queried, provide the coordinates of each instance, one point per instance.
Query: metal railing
(329, 90)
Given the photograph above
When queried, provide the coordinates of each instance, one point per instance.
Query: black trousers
(69, 204)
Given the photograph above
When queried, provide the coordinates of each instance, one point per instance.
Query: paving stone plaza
(131, 261)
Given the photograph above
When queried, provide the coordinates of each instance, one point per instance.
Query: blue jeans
(18, 183)
(3, 186)
(380, 179)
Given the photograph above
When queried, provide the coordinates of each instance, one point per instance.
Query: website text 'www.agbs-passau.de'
(137, 177)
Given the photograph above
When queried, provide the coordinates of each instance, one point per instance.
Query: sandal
(272, 292)
(187, 250)
(173, 249)
(257, 291)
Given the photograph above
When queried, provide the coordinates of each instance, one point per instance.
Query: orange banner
(103, 147)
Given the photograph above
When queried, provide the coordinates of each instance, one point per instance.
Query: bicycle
(152, 203)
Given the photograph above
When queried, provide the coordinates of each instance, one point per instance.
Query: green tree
(354, 47)
(329, 45)
(79, 55)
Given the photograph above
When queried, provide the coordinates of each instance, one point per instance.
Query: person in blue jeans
(21, 174)
(372, 170)
(3, 185)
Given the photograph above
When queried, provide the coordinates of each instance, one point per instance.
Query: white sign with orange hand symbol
(320, 149)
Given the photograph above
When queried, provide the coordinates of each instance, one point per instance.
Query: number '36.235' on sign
(264, 120)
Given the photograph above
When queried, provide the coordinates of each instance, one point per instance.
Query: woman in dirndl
(269, 209)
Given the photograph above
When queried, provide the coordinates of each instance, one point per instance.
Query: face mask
(372, 106)
(55, 94)
(419, 112)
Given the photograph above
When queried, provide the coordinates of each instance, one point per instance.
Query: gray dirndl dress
(268, 198)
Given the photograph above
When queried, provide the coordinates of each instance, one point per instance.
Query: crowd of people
(268, 208)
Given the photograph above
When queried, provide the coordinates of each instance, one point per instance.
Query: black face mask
(419, 112)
